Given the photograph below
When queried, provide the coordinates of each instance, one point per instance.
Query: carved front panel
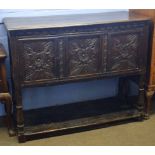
(83, 55)
(123, 52)
(38, 60)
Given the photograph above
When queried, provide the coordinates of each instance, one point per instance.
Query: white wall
(39, 12)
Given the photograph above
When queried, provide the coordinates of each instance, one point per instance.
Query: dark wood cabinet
(60, 49)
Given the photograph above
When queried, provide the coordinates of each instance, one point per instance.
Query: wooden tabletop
(21, 23)
(2, 52)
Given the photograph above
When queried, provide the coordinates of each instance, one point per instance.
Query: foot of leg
(8, 109)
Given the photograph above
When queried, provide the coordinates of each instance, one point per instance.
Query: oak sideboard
(56, 50)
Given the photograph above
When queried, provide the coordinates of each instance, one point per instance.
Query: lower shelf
(105, 118)
(58, 120)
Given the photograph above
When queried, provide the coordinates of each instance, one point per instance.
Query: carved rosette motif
(83, 56)
(123, 52)
(38, 59)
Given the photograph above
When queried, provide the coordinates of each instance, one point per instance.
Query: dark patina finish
(61, 49)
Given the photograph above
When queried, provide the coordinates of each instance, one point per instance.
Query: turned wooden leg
(19, 116)
(8, 109)
(149, 95)
(141, 97)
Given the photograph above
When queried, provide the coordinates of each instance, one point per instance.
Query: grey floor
(132, 134)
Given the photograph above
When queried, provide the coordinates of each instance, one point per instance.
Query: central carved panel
(123, 52)
(83, 56)
(38, 60)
